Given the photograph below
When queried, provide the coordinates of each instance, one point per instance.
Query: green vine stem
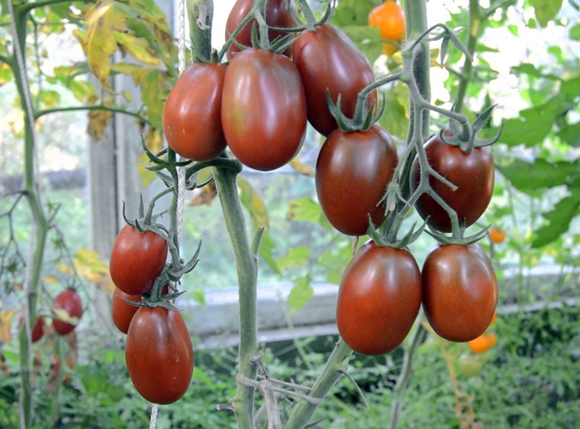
(335, 366)
(40, 222)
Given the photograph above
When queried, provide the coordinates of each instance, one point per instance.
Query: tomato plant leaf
(300, 294)
(152, 88)
(266, 252)
(138, 48)
(295, 257)
(254, 204)
(575, 32)
(367, 39)
(529, 177)
(570, 134)
(546, 10)
(352, 12)
(304, 210)
(396, 115)
(98, 122)
(559, 218)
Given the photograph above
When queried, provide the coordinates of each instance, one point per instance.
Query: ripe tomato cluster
(382, 290)
(159, 353)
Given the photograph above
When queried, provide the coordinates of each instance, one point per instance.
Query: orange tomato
(390, 19)
(483, 343)
(497, 236)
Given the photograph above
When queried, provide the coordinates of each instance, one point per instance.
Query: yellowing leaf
(301, 168)
(63, 268)
(5, 322)
(98, 122)
(87, 255)
(51, 280)
(137, 48)
(108, 17)
(254, 204)
(154, 139)
(147, 177)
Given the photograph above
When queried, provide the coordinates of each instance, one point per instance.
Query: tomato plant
(378, 299)
(159, 354)
(263, 109)
(68, 301)
(352, 173)
(482, 343)
(137, 258)
(277, 15)
(329, 61)
(459, 291)
(192, 113)
(122, 312)
(390, 19)
(472, 173)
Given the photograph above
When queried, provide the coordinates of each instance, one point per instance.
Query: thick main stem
(475, 20)
(40, 222)
(247, 268)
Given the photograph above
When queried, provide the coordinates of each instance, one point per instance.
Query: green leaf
(575, 32)
(267, 246)
(528, 177)
(571, 135)
(253, 203)
(396, 116)
(152, 90)
(198, 296)
(304, 210)
(295, 257)
(300, 294)
(559, 218)
(49, 98)
(367, 39)
(352, 12)
(335, 261)
(546, 10)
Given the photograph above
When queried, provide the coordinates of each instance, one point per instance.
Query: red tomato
(378, 299)
(159, 354)
(69, 301)
(277, 15)
(37, 330)
(328, 60)
(459, 291)
(191, 116)
(472, 173)
(263, 109)
(136, 260)
(352, 173)
(121, 311)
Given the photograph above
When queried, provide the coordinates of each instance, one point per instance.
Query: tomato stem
(200, 29)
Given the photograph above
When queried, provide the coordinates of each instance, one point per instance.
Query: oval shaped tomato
(159, 354)
(352, 173)
(459, 291)
(122, 312)
(390, 19)
(472, 173)
(328, 60)
(37, 330)
(263, 109)
(68, 301)
(136, 260)
(378, 299)
(277, 15)
(192, 113)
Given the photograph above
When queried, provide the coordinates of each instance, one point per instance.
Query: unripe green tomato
(470, 365)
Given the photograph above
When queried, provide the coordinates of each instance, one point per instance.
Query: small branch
(40, 113)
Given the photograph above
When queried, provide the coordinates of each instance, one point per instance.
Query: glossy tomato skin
(136, 260)
(328, 59)
(69, 301)
(122, 312)
(472, 173)
(263, 109)
(159, 355)
(352, 173)
(192, 113)
(459, 291)
(277, 15)
(378, 299)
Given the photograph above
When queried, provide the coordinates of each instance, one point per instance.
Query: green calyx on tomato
(378, 299)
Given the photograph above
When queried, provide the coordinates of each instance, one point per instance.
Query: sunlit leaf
(296, 257)
(253, 203)
(558, 219)
(532, 176)
(304, 210)
(300, 294)
(51, 280)
(301, 168)
(546, 10)
(137, 48)
(5, 324)
(98, 122)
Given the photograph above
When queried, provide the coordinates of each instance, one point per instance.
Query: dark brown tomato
(122, 312)
(328, 59)
(472, 173)
(192, 113)
(159, 355)
(68, 301)
(263, 109)
(352, 173)
(378, 299)
(277, 15)
(136, 260)
(459, 291)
